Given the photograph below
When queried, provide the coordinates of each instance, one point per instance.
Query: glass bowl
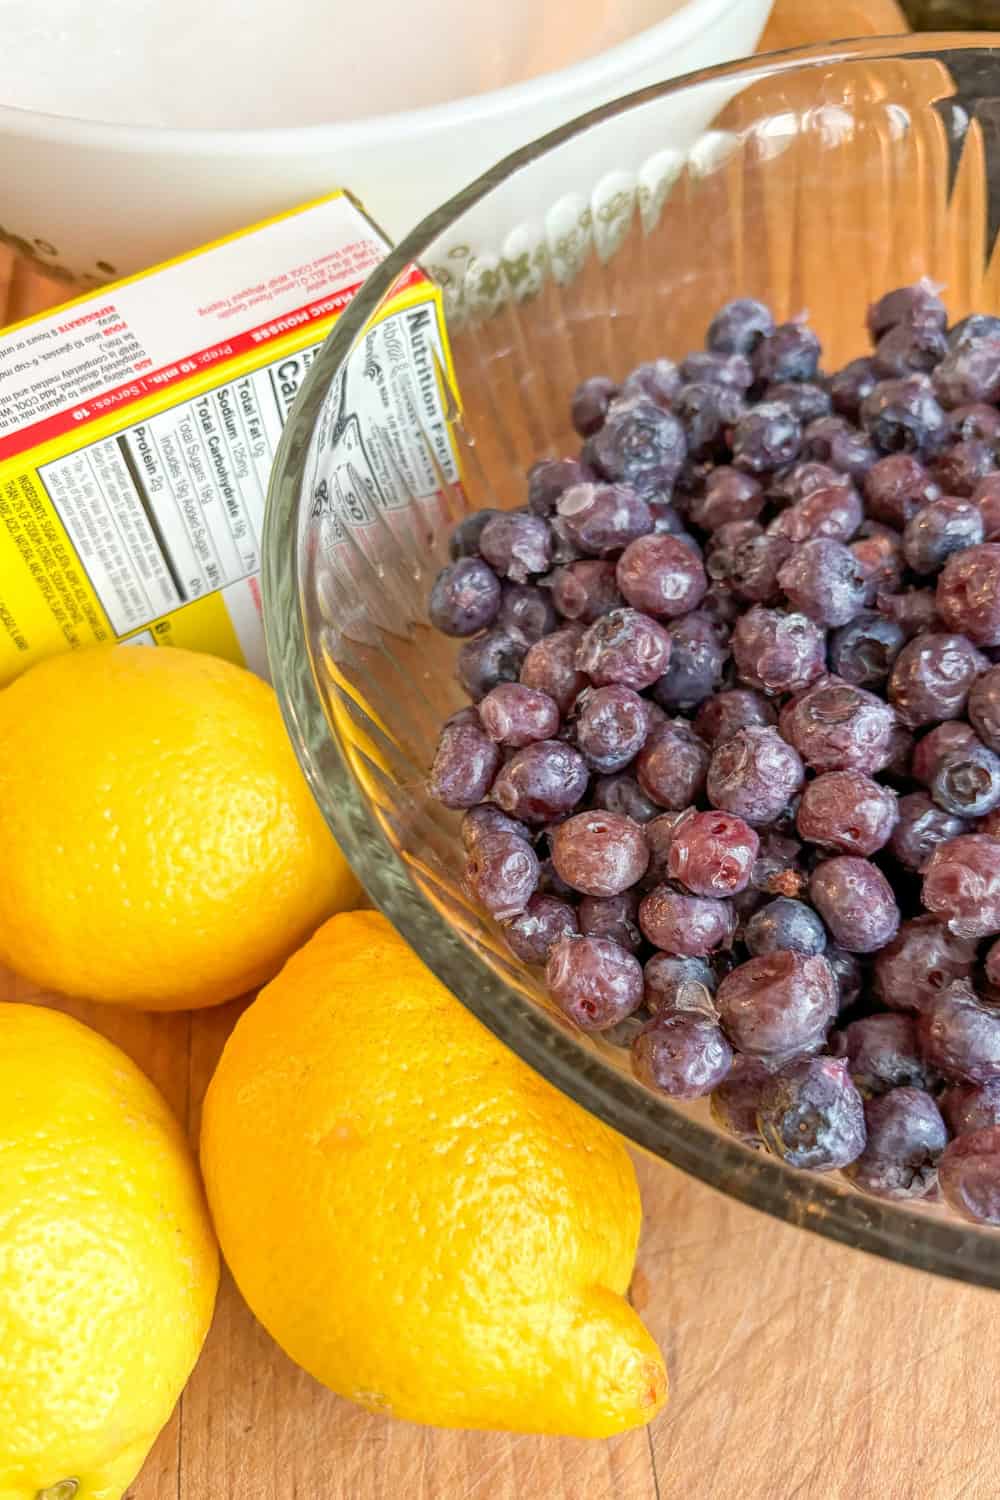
(814, 180)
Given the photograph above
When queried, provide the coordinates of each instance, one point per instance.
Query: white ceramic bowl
(92, 200)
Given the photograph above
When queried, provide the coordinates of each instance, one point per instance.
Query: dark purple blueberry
(679, 984)
(984, 707)
(777, 652)
(543, 922)
(850, 386)
(920, 828)
(765, 437)
(739, 326)
(960, 1037)
(811, 1115)
(671, 765)
(681, 1054)
(603, 518)
(882, 1053)
(905, 1138)
(736, 1100)
(778, 1004)
(465, 597)
(657, 380)
(913, 610)
(688, 926)
(969, 1176)
(903, 416)
(640, 444)
(754, 774)
(878, 551)
(968, 594)
(514, 715)
(837, 727)
(848, 812)
(791, 352)
(969, 372)
(987, 497)
(971, 1106)
(625, 647)
(907, 349)
(804, 400)
(824, 580)
(660, 575)
(708, 412)
(729, 495)
(972, 328)
(488, 659)
(585, 590)
(593, 981)
(863, 651)
(465, 763)
(697, 661)
(486, 818)
(621, 793)
(733, 371)
(847, 972)
(931, 678)
(548, 479)
(977, 421)
(599, 853)
(517, 545)
(833, 511)
(712, 853)
(464, 541)
(590, 403)
(785, 925)
(959, 469)
(526, 612)
(941, 528)
(610, 727)
(966, 782)
(614, 917)
(920, 963)
(541, 782)
(834, 441)
(751, 567)
(550, 666)
(896, 487)
(962, 884)
(721, 716)
(918, 305)
(501, 871)
(856, 902)
(930, 751)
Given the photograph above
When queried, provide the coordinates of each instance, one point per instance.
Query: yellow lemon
(161, 846)
(418, 1219)
(108, 1265)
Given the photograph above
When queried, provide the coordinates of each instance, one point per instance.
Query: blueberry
(940, 528)
(904, 416)
(501, 871)
(962, 884)
(688, 926)
(896, 487)
(960, 1037)
(765, 437)
(465, 763)
(785, 924)
(970, 372)
(697, 661)
(550, 665)
(712, 853)
(905, 1137)
(856, 902)
(777, 652)
(640, 444)
(837, 727)
(594, 982)
(931, 678)
(708, 412)
(548, 479)
(722, 715)
(969, 1175)
(658, 380)
(850, 386)
(863, 651)
(960, 468)
(464, 540)
(968, 594)
(531, 933)
(493, 657)
(672, 765)
(824, 580)
(662, 576)
(791, 352)
(848, 812)
(739, 326)
(590, 404)
(966, 783)
(882, 1053)
(601, 519)
(678, 984)
(681, 1054)
(804, 400)
(754, 774)
(736, 1100)
(811, 1115)
(778, 1004)
(920, 828)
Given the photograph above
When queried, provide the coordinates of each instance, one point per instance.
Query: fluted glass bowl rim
(920, 1239)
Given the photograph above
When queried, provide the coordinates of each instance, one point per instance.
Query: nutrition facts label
(173, 508)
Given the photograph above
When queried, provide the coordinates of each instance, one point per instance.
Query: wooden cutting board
(800, 1370)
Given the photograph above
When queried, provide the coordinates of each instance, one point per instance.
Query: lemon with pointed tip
(418, 1218)
(108, 1263)
(161, 846)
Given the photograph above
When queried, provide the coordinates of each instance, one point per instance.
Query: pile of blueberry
(733, 769)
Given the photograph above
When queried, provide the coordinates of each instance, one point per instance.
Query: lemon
(161, 847)
(108, 1265)
(418, 1219)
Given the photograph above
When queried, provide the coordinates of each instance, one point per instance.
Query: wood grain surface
(800, 1370)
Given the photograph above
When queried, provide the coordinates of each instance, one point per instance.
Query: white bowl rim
(674, 30)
